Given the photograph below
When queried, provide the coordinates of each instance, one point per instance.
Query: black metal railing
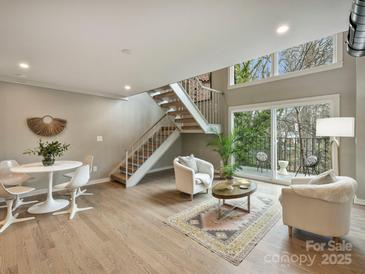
(293, 150)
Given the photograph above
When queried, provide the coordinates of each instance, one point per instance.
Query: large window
(304, 57)
(278, 141)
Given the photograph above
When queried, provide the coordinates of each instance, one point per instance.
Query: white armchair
(191, 182)
(320, 209)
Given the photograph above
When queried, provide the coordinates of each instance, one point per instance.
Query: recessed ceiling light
(282, 29)
(126, 87)
(24, 65)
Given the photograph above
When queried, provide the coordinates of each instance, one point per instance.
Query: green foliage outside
(253, 134)
(255, 69)
(296, 135)
(305, 56)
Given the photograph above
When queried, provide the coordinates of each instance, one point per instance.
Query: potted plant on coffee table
(49, 151)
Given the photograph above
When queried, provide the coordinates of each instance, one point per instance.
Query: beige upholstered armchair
(193, 180)
(323, 209)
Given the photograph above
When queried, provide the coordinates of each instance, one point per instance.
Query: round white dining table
(50, 205)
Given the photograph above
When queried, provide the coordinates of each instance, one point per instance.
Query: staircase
(190, 107)
(193, 106)
(146, 151)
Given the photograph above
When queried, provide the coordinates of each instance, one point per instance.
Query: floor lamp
(335, 127)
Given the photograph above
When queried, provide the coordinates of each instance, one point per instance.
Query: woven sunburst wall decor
(46, 125)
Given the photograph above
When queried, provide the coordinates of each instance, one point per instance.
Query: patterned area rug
(237, 232)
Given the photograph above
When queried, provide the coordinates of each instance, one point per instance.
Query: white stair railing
(209, 101)
(145, 145)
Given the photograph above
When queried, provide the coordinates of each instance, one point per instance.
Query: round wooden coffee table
(235, 193)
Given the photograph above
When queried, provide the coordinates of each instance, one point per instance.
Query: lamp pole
(334, 155)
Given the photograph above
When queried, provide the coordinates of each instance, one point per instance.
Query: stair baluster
(143, 148)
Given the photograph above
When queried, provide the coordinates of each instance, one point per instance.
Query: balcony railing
(292, 150)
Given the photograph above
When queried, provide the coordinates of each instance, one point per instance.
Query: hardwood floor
(125, 233)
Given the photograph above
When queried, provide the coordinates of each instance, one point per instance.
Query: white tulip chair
(10, 195)
(8, 178)
(88, 160)
(80, 178)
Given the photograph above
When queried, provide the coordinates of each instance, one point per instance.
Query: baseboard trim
(45, 190)
(359, 201)
(160, 169)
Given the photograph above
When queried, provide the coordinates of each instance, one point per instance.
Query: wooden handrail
(205, 87)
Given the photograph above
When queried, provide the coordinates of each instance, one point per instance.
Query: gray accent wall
(196, 143)
(360, 126)
(119, 122)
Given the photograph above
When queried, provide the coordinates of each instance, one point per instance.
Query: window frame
(337, 63)
(333, 100)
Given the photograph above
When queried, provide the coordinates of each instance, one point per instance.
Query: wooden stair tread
(130, 164)
(150, 147)
(172, 104)
(163, 95)
(179, 112)
(184, 120)
(188, 124)
(138, 162)
(197, 127)
(139, 154)
(164, 132)
(166, 128)
(119, 177)
(131, 169)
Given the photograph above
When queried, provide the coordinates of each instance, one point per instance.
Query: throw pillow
(189, 161)
(324, 178)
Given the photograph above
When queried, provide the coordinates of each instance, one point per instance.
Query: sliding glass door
(253, 148)
(299, 151)
(278, 141)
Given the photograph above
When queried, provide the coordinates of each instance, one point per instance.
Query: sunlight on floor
(253, 172)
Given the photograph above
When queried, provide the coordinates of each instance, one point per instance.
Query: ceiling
(77, 45)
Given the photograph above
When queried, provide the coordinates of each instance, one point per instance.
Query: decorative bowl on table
(241, 182)
(224, 185)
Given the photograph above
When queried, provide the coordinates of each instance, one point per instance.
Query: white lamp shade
(336, 127)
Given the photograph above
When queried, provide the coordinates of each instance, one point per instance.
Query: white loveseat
(191, 182)
(321, 209)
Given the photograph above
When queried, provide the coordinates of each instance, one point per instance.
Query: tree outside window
(296, 135)
(255, 69)
(309, 55)
(305, 56)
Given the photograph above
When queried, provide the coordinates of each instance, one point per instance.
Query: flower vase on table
(48, 161)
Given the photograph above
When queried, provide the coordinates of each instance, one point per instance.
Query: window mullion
(231, 76)
(273, 144)
(275, 64)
